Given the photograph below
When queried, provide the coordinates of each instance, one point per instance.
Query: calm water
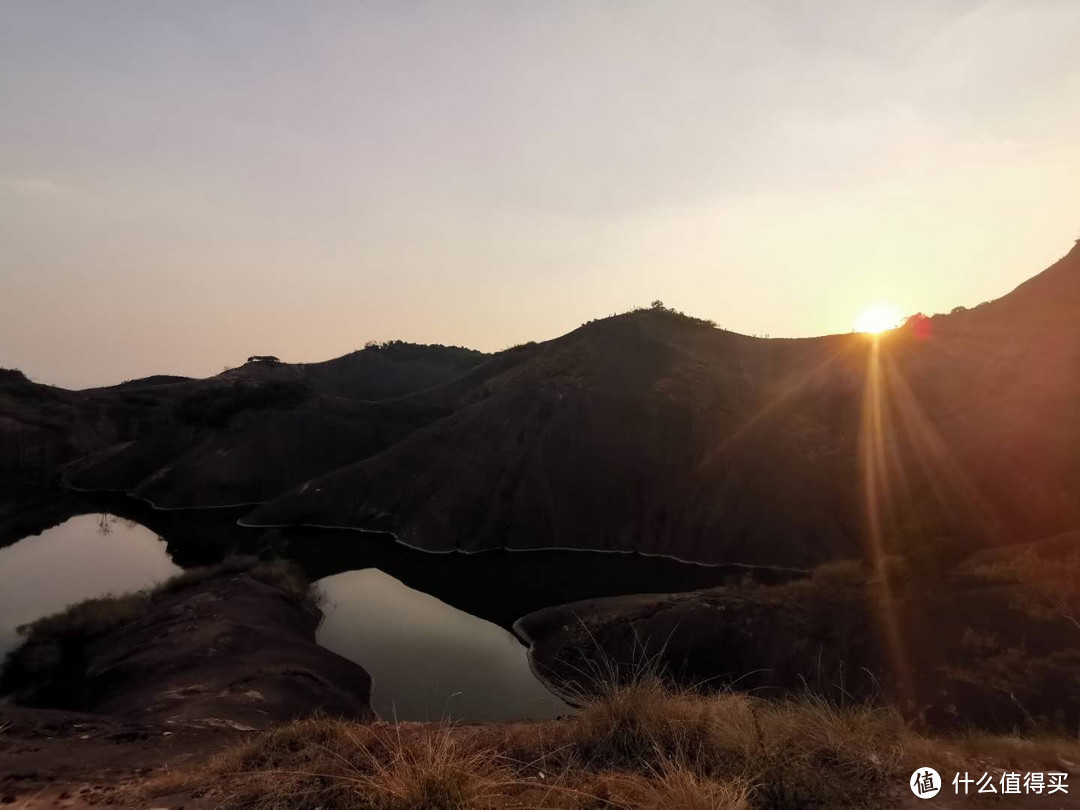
(433, 630)
(83, 557)
(428, 660)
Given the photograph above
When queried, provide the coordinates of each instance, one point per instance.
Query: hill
(657, 433)
(619, 436)
(648, 432)
(252, 432)
(388, 370)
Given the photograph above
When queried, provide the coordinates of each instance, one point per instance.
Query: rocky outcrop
(955, 653)
(231, 651)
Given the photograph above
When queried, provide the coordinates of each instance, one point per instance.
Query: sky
(184, 184)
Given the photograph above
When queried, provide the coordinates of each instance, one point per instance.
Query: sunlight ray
(878, 507)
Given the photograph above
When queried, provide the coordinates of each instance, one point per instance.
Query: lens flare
(878, 319)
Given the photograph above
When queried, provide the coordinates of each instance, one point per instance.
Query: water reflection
(429, 660)
(502, 586)
(498, 586)
(83, 557)
(431, 629)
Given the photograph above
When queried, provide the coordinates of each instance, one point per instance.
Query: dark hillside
(648, 431)
(651, 432)
(378, 371)
(152, 381)
(39, 427)
(255, 431)
(986, 401)
(388, 370)
(658, 433)
(43, 427)
(214, 455)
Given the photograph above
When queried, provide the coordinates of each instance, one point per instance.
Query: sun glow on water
(878, 319)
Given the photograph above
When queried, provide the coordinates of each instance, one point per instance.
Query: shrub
(658, 309)
(56, 644)
(404, 352)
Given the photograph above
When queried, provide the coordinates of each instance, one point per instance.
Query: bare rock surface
(231, 652)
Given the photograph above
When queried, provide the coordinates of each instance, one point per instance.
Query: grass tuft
(671, 787)
(340, 765)
(637, 744)
(644, 723)
(432, 768)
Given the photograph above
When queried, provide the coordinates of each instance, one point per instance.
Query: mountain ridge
(649, 431)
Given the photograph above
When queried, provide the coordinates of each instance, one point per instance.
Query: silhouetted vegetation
(15, 384)
(214, 407)
(12, 375)
(405, 352)
(658, 308)
(517, 347)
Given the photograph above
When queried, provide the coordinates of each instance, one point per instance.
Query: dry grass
(638, 746)
(677, 788)
(433, 768)
(642, 724)
(1005, 750)
(340, 766)
(281, 574)
(794, 753)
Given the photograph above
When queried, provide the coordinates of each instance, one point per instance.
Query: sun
(878, 319)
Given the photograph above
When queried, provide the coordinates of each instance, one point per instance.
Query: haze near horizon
(182, 186)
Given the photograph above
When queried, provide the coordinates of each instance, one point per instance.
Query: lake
(83, 557)
(433, 630)
(427, 659)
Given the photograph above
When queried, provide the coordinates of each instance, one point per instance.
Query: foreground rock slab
(230, 652)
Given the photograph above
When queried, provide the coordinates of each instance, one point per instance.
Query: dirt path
(66, 759)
